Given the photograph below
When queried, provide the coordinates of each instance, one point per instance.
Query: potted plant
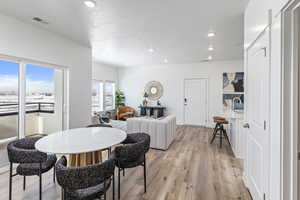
(120, 98)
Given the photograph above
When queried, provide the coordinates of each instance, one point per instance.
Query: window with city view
(97, 96)
(39, 99)
(39, 88)
(103, 96)
(9, 101)
(109, 96)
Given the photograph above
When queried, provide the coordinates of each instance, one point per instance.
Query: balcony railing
(31, 107)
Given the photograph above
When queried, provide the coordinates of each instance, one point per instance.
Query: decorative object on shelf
(158, 103)
(154, 89)
(145, 102)
(233, 82)
(120, 98)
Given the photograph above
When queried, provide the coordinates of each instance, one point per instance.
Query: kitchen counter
(235, 132)
(232, 115)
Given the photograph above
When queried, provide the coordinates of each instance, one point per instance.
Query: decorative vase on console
(158, 103)
(145, 102)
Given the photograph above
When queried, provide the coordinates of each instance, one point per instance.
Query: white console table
(162, 131)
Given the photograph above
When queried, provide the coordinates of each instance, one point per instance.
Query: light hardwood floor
(191, 169)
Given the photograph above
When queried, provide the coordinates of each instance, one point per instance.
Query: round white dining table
(81, 141)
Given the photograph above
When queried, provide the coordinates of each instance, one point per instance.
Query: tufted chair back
(133, 151)
(74, 178)
(23, 151)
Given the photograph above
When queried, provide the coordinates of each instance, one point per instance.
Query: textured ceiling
(120, 32)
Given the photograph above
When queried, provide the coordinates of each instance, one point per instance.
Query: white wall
(133, 80)
(103, 72)
(27, 41)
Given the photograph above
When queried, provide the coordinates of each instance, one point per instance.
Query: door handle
(185, 101)
(246, 125)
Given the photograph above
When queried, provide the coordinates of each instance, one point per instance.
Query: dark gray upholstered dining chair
(87, 182)
(132, 154)
(31, 161)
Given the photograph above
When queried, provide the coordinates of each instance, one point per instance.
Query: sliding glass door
(44, 100)
(9, 99)
(31, 99)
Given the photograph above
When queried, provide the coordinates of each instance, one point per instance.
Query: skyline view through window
(39, 84)
(39, 96)
(9, 101)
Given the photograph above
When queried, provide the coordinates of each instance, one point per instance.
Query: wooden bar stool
(217, 127)
(220, 130)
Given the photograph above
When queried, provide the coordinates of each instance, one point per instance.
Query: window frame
(23, 62)
(102, 100)
(113, 95)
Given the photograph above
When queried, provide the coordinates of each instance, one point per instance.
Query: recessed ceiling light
(210, 48)
(211, 34)
(90, 3)
(209, 58)
(166, 60)
(151, 50)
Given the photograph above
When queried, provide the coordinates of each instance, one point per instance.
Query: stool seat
(218, 118)
(221, 121)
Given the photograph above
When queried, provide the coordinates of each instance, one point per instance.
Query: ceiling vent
(39, 20)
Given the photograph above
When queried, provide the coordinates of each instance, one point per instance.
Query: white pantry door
(257, 116)
(195, 102)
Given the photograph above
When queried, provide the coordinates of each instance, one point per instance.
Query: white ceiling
(120, 32)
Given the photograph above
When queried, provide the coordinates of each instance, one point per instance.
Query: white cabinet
(237, 137)
(256, 19)
(242, 140)
(232, 135)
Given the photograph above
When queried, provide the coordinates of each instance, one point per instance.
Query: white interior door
(257, 114)
(195, 102)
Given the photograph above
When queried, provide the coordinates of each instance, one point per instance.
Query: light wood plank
(191, 169)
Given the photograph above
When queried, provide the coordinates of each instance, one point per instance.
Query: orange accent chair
(125, 112)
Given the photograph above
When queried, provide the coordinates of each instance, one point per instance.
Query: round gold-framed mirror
(154, 89)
